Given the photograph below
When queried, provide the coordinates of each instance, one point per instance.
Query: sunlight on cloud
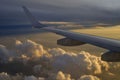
(55, 63)
(88, 77)
(29, 48)
(64, 25)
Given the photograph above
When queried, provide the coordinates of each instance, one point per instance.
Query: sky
(83, 11)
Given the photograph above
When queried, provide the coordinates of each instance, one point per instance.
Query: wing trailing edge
(110, 44)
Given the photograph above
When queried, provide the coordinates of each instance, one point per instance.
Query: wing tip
(32, 19)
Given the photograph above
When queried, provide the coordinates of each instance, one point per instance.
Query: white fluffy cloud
(62, 76)
(77, 63)
(59, 76)
(88, 77)
(29, 48)
(65, 65)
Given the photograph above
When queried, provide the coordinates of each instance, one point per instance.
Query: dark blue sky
(84, 11)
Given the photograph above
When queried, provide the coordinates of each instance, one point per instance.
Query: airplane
(75, 39)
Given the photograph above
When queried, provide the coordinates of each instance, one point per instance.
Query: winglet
(35, 23)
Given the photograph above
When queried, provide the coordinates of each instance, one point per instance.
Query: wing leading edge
(112, 45)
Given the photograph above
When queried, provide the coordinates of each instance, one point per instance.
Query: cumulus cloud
(5, 76)
(55, 63)
(29, 48)
(79, 63)
(59, 76)
(88, 77)
(4, 53)
(62, 76)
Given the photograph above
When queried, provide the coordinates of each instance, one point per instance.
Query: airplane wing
(73, 39)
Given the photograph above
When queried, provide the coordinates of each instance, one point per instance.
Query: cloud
(84, 11)
(59, 76)
(4, 53)
(5, 76)
(29, 48)
(54, 63)
(88, 77)
(62, 76)
(31, 78)
(64, 25)
(59, 59)
(63, 3)
(77, 63)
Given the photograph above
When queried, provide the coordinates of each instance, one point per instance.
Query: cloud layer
(84, 11)
(53, 64)
(59, 76)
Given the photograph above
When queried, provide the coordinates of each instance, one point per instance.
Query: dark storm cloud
(84, 11)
